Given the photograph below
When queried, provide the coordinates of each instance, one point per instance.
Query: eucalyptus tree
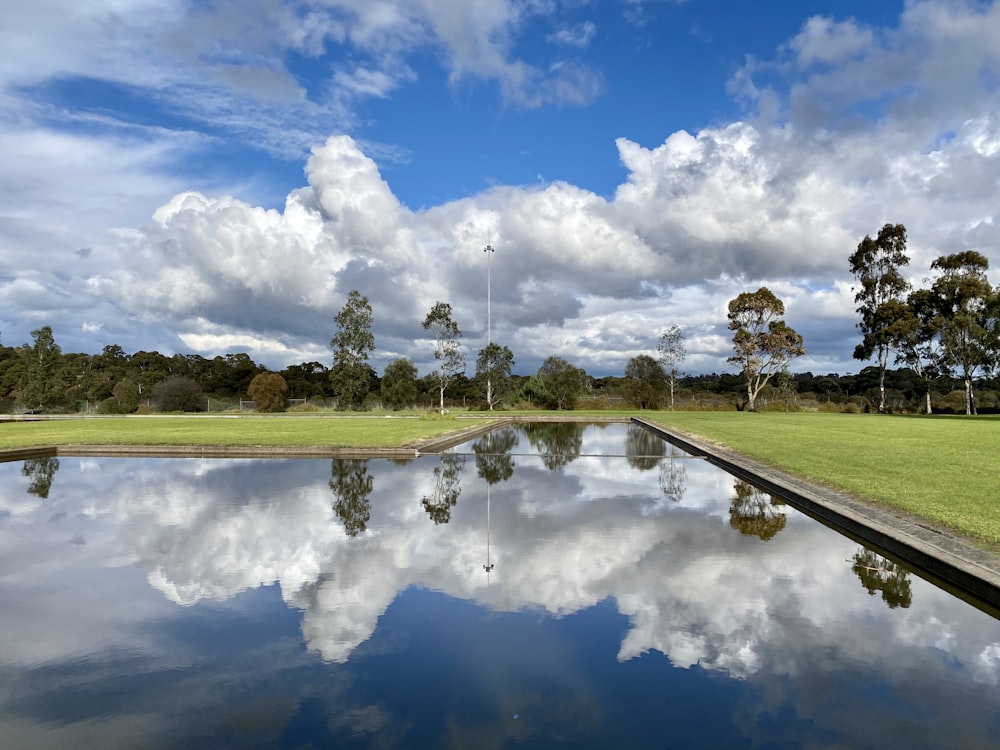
(877, 264)
(447, 347)
(493, 369)
(353, 343)
(763, 343)
(966, 320)
(672, 353)
(919, 343)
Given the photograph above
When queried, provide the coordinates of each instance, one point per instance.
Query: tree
(672, 354)
(562, 380)
(645, 382)
(39, 385)
(876, 265)
(179, 393)
(399, 383)
(919, 344)
(493, 367)
(268, 392)
(447, 346)
(763, 343)
(966, 319)
(352, 344)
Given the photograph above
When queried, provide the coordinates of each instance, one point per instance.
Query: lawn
(269, 431)
(941, 467)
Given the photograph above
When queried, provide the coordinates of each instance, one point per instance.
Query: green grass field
(269, 431)
(943, 468)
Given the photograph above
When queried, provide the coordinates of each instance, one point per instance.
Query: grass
(269, 431)
(943, 468)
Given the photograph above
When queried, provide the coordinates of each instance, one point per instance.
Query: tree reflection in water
(558, 443)
(754, 512)
(880, 574)
(447, 488)
(673, 476)
(351, 485)
(494, 461)
(41, 471)
(643, 448)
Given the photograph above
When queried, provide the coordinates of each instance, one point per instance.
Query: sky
(216, 177)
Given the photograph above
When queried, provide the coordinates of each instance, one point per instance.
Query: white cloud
(579, 35)
(852, 127)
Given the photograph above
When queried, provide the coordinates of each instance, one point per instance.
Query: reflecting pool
(546, 585)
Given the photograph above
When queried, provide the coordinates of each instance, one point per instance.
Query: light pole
(489, 327)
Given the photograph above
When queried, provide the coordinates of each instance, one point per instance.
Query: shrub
(268, 391)
(179, 393)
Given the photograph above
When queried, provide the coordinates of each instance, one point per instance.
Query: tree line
(943, 338)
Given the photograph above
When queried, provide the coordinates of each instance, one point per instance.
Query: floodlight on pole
(489, 323)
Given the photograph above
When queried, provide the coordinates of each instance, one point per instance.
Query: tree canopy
(762, 342)
(353, 343)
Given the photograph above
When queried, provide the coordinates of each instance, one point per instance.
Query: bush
(179, 393)
(307, 407)
(268, 391)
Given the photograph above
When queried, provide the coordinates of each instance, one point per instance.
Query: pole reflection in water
(646, 600)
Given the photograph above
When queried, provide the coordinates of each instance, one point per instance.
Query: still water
(545, 586)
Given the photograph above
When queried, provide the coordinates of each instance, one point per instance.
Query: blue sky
(216, 177)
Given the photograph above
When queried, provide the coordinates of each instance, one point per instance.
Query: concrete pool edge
(942, 555)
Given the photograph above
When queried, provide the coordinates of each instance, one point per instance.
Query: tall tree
(562, 380)
(672, 354)
(966, 317)
(763, 343)
(350, 376)
(876, 265)
(920, 348)
(645, 382)
(399, 383)
(447, 346)
(39, 386)
(493, 367)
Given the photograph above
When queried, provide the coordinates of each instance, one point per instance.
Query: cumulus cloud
(847, 127)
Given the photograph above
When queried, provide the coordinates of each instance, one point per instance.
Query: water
(555, 585)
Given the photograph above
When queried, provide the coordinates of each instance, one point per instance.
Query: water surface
(551, 585)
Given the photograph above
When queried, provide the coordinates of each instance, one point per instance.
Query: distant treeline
(40, 377)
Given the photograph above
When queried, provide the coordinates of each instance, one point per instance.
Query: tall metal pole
(489, 325)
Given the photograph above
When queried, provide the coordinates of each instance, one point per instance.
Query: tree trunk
(970, 404)
(881, 390)
(441, 391)
(928, 397)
